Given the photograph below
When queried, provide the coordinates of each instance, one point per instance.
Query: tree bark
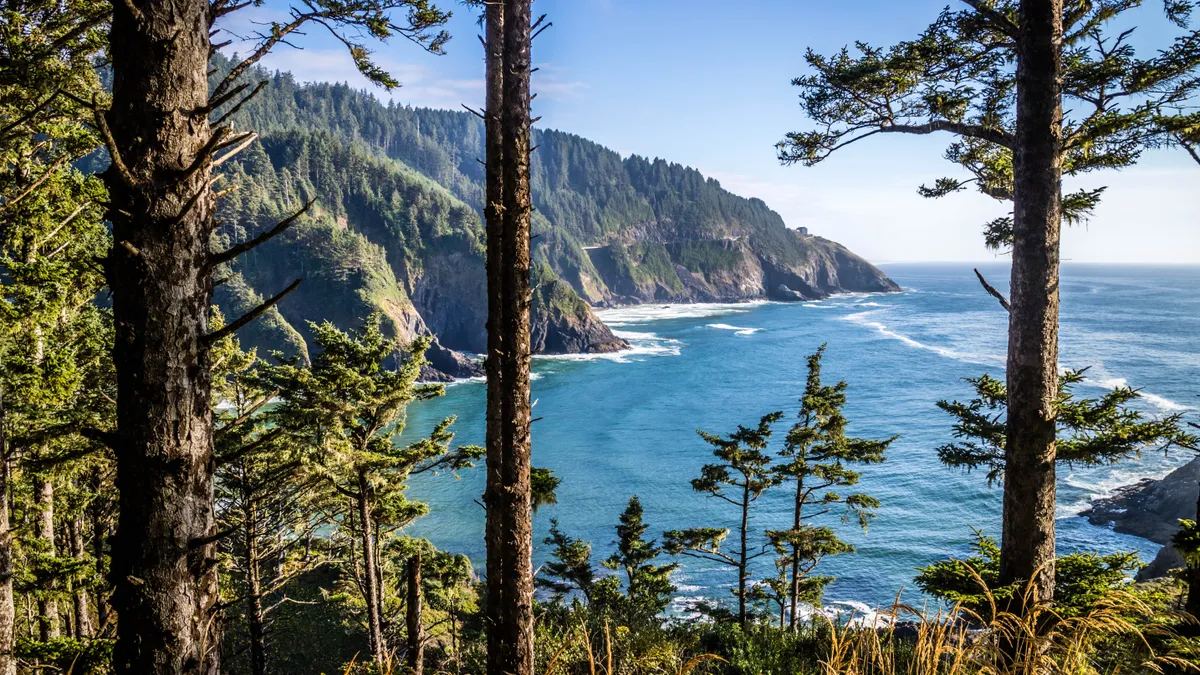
(164, 574)
(1027, 547)
(8, 610)
(497, 257)
(517, 533)
(48, 626)
(416, 639)
(370, 574)
(254, 614)
(83, 617)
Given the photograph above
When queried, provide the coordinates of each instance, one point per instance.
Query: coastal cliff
(395, 228)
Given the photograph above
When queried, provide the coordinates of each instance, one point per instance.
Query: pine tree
(996, 75)
(815, 455)
(270, 507)
(743, 474)
(570, 567)
(508, 212)
(648, 586)
(166, 132)
(350, 410)
(1088, 432)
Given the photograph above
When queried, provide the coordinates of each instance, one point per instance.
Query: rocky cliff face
(643, 268)
(1152, 509)
(397, 227)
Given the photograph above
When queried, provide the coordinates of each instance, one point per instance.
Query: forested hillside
(396, 226)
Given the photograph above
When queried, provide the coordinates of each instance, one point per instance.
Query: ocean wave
(1161, 402)
(1099, 487)
(863, 319)
(638, 314)
(641, 345)
(737, 330)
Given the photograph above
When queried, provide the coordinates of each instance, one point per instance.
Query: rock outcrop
(1152, 509)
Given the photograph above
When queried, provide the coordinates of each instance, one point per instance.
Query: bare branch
(234, 251)
(249, 316)
(992, 291)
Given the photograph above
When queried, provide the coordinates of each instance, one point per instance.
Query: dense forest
(222, 291)
(407, 182)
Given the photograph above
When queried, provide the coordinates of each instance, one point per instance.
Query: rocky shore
(1151, 509)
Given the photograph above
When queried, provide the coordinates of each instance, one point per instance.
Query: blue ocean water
(617, 425)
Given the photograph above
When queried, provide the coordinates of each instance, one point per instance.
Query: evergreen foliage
(1091, 431)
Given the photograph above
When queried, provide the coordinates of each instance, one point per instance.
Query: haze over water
(616, 425)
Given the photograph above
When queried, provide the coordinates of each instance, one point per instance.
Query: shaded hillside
(380, 238)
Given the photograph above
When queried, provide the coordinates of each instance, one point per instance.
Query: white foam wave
(641, 345)
(638, 314)
(863, 319)
(1094, 487)
(1161, 402)
(737, 330)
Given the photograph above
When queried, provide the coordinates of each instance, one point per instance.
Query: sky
(707, 83)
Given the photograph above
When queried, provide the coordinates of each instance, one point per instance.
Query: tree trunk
(516, 622)
(164, 569)
(48, 627)
(254, 618)
(8, 610)
(370, 574)
(743, 561)
(83, 617)
(1193, 578)
(497, 259)
(794, 590)
(416, 640)
(99, 534)
(1027, 547)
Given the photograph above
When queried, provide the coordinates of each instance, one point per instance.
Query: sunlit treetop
(959, 76)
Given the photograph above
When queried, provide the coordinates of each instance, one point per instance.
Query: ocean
(616, 425)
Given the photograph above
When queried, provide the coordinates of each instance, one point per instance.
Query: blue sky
(706, 83)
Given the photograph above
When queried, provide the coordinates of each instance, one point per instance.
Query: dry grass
(1036, 642)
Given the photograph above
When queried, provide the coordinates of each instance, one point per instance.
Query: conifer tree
(350, 409)
(743, 474)
(1088, 432)
(270, 507)
(648, 586)
(570, 566)
(815, 456)
(508, 27)
(996, 75)
(167, 131)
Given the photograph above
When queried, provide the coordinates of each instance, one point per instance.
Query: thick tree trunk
(370, 574)
(8, 610)
(1027, 547)
(43, 487)
(412, 616)
(497, 259)
(516, 622)
(164, 568)
(83, 617)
